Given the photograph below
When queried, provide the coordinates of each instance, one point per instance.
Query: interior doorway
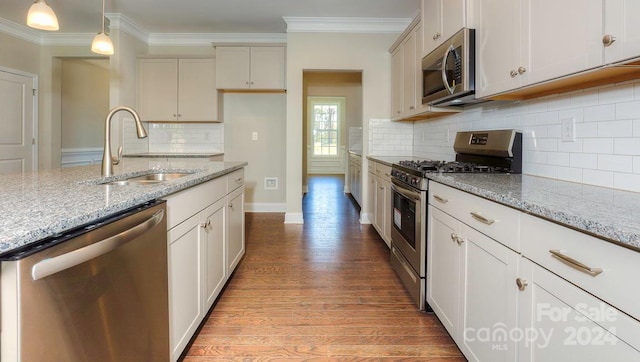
(84, 102)
(346, 84)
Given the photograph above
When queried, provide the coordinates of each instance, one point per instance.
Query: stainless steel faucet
(107, 159)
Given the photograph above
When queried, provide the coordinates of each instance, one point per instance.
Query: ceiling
(208, 16)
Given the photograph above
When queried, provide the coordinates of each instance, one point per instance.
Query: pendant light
(102, 43)
(41, 16)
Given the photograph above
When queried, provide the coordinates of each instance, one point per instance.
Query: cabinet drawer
(235, 180)
(620, 266)
(383, 171)
(490, 218)
(186, 203)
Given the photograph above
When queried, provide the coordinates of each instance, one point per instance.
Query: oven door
(406, 231)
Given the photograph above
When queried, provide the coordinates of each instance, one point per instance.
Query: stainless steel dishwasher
(96, 293)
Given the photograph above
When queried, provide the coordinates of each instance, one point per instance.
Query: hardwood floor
(322, 291)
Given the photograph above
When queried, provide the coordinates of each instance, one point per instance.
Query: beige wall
(264, 113)
(332, 51)
(19, 54)
(85, 94)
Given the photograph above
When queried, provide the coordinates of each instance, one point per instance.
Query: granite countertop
(603, 212)
(390, 160)
(610, 214)
(173, 155)
(34, 206)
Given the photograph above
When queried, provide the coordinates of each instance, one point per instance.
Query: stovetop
(419, 167)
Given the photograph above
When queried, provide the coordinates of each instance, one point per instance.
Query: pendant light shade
(102, 43)
(41, 16)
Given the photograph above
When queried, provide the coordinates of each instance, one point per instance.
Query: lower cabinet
(206, 243)
(470, 286)
(560, 321)
(380, 199)
(536, 302)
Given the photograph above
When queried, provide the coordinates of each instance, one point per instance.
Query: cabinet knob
(513, 73)
(206, 224)
(247, 82)
(457, 239)
(521, 283)
(522, 70)
(608, 40)
(398, 112)
(175, 115)
(230, 205)
(436, 36)
(412, 108)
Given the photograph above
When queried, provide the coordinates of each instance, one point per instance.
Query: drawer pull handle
(482, 219)
(575, 264)
(440, 199)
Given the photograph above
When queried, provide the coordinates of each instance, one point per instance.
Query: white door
(17, 140)
(326, 116)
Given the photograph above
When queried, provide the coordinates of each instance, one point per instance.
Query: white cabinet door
(197, 94)
(250, 68)
(158, 89)
(387, 210)
(564, 323)
(185, 283)
(443, 268)
(232, 67)
(440, 20)
(397, 88)
(235, 228)
(410, 75)
(371, 196)
(431, 29)
(621, 22)
(488, 298)
(268, 68)
(498, 46)
(558, 44)
(213, 232)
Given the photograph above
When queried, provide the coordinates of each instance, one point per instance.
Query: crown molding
(20, 31)
(345, 25)
(204, 39)
(123, 23)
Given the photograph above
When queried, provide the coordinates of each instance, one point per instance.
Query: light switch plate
(568, 129)
(254, 136)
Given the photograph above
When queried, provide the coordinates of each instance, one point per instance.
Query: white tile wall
(607, 147)
(177, 137)
(388, 138)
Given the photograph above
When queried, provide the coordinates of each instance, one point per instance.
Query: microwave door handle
(445, 80)
(62, 262)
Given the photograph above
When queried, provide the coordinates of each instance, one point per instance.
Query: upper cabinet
(440, 20)
(524, 43)
(250, 68)
(173, 90)
(406, 78)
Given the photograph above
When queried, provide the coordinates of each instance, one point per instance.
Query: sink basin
(158, 177)
(149, 179)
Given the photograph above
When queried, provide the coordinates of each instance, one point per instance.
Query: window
(325, 116)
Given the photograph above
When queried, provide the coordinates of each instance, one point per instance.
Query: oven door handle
(410, 194)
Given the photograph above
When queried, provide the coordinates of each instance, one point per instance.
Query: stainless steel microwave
(448, 72)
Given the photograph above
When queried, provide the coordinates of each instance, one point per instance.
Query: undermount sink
(148, 179)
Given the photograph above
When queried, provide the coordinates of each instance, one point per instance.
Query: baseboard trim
(265, 207)
(293, 218)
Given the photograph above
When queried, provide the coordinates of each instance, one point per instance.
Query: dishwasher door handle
(62, 262)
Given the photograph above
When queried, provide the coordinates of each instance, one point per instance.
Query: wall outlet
(568, 129)
(254, 136)
(270, 183)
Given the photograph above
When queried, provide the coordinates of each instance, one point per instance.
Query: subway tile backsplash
(606, 151)
(388, 138)
(177, 137)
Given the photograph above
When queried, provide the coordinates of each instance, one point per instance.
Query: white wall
(332, 51)
(607, 147)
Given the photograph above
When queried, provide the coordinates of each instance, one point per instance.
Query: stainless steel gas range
(498, 151)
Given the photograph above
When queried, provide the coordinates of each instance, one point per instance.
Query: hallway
(322, 291)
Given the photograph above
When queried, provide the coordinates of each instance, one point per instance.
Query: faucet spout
(107, 159)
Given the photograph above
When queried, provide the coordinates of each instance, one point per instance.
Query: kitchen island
(38, 205)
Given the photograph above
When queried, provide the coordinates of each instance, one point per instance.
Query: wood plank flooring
(322, 291)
